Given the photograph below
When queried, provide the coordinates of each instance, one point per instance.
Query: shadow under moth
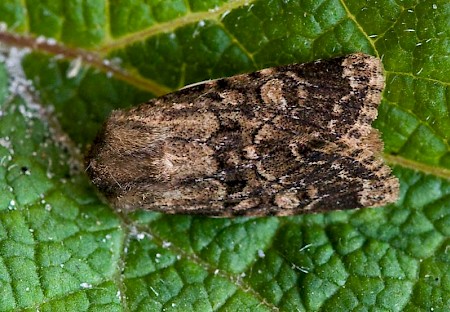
(280, 141)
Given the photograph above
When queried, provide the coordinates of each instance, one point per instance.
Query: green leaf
(61, 248)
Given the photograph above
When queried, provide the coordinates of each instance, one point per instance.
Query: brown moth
(281, 141)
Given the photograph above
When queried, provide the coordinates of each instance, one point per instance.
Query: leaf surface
(61, 248)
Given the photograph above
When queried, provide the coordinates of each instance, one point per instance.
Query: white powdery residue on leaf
(49, 174)
(196, 32)
(51, 41)
(301, 269)
(42, 39)
(86, 285)
(154, 291)
(18, 83)
(225, 14)
(166, 244)
(214, 9)
(138, 235)
(22, 87)
(112, 64)
(5, 159)
(11, 167)
(12, 205)
(261, 253)
(6, 143)
(115, 62)
(305, 247)
(74, 67)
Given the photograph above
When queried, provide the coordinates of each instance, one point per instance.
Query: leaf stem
(93, 59)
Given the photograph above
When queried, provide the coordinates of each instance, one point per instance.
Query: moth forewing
(281, 141)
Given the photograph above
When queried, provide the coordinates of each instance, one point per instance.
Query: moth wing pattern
(280, 141)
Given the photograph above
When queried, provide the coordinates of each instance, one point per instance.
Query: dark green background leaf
(62, 249)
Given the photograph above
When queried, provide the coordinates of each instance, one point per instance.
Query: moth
(280, 141)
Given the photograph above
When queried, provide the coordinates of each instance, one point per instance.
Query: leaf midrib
(166, 27)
